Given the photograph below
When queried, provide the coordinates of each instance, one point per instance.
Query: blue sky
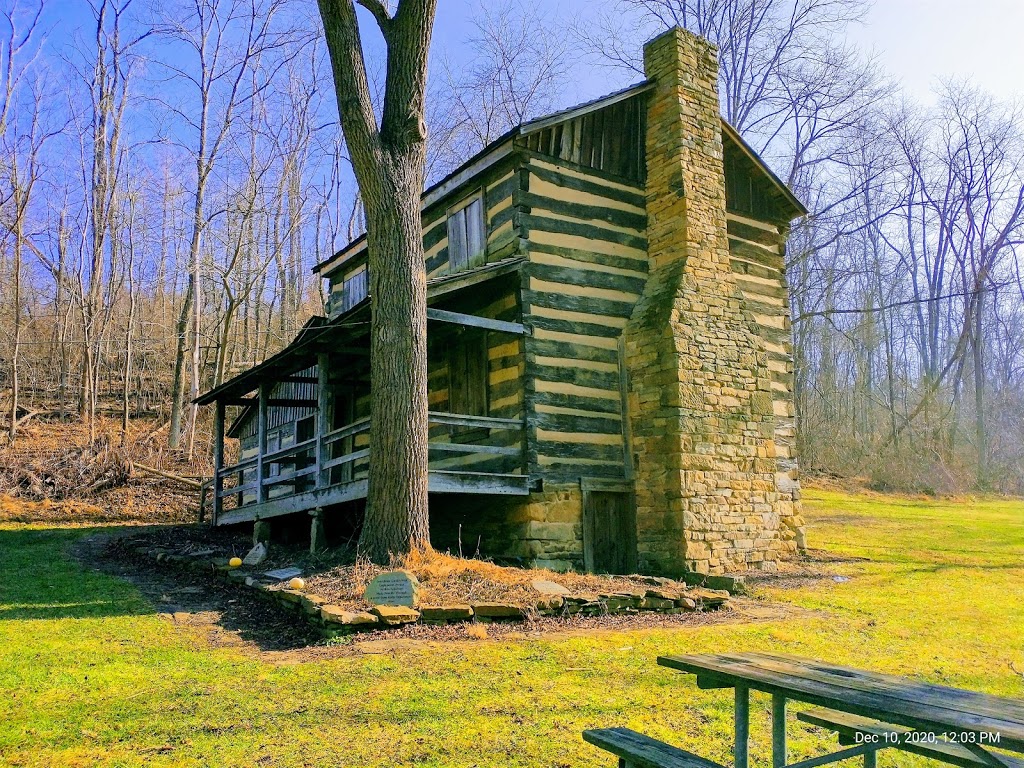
(918, 41)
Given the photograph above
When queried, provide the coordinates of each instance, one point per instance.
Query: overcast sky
(920, 41)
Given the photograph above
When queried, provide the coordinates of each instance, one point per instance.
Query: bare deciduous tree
(388, 158)
(518, 69)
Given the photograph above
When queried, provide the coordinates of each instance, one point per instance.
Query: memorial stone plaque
(393, 588)
(283, 574)
(256, 555)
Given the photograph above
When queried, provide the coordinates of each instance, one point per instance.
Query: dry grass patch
(445, 579)
(55, 472)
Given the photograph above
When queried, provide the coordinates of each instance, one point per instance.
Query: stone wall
(700, 396)
(542, 530)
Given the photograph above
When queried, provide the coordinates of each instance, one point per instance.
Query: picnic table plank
(936, 695)
(747, 667)
(840, 692)
(639, 751)
(847, 726)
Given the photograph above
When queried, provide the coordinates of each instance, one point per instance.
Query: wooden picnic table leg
(871, 759)
(742, 748)
(779, 756)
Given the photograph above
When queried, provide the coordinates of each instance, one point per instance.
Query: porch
(332, 467)
(302, 416)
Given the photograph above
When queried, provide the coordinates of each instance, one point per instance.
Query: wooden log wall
(504, 352)
(505, 367)
(584, 232)
(757, 256)
(502, 242)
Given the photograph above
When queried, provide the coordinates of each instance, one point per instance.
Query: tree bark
(388, 162)
(16, 345)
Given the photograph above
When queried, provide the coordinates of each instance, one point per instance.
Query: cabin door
(609, 531)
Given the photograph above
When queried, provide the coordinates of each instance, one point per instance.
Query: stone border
(662, 596)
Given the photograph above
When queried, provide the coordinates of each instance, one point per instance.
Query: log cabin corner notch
(610, 355)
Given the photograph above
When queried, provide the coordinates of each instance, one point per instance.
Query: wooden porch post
(261, 441)
(218, 460)
(323, 418)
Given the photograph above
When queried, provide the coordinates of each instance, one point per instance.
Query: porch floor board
(438, 481)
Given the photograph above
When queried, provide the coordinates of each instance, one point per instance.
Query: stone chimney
(700, 400)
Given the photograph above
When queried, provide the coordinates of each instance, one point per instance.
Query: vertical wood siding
(609, 139)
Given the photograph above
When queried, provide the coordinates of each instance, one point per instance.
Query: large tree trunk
(19, 234)
(178, 377)
(396, 511)
(388, 161)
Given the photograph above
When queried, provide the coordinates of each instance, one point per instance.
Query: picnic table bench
(868, 711)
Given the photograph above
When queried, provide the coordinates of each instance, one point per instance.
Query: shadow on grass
(68, 573)
(40, 580)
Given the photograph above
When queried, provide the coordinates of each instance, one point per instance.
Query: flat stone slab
(393, 588)
(666, 593)
(618, 603)
(546, 587)
(657, 581)
(658, 604)
(311, 604)
(455, 612)
(710, 597)
(283, 574)
(395, 615)
(731, 584)
(550, 603)
(498, 611)
(256, 555)
(637, 593)
(333, 614)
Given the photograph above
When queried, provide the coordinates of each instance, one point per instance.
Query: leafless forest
(170, 174)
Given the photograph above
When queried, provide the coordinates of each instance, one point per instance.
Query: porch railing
(318, 462)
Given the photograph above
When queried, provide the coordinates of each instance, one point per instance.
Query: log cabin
(610, 354)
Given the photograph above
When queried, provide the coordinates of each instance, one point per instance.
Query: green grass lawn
(90, 675)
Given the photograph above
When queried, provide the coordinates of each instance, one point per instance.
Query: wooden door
(609, 532)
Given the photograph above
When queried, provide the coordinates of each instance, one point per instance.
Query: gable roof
(320, 332)
(503, 146)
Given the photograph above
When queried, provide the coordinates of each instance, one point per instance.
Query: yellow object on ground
(234, 562)
(297, 583)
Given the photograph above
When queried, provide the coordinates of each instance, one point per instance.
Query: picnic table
(868, 711)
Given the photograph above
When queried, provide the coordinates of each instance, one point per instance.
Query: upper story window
(467, 234)
(354, 288)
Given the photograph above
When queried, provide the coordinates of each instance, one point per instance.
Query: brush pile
(60, 471)
(70, 471)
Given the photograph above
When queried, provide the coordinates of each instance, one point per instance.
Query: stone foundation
(542, 530)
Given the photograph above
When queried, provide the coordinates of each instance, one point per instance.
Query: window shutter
(458, 254)
(476, 232)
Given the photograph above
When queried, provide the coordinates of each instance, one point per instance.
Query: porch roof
(320, 333)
